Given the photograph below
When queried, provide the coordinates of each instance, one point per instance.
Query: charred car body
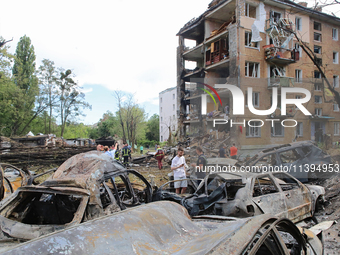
(166, 228)
(243, 194)
(302, 159)
(12, 178)
(84, 187)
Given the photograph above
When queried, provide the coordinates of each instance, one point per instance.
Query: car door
(268, 197)
(297, 196)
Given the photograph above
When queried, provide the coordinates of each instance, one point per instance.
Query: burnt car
(304, 160)
(242, 194)
(84, 187)
(12, 178)
(166, 228)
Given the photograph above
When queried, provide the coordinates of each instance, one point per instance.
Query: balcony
(194, 54)
(280, 82)
(279, 56)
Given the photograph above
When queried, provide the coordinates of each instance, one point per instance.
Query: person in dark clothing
(126, 154)
(201, 164)
(221, 152)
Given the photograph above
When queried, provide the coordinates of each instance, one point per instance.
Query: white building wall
(167, 113)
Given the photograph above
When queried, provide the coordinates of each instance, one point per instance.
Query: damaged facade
(252, 44)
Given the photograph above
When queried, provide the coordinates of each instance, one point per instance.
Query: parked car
(304, 160)
(84, 187)
(166, 228)
(242, 194)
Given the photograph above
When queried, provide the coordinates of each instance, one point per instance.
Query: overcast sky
(109, 45)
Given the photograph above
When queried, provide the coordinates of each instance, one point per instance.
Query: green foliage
(146, 142)
(27, 85)
(71, 99)
(152, 132)
(48, 88)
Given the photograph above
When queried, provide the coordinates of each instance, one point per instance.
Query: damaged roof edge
(195, 22)
(307, 9)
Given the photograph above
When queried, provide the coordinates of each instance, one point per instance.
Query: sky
(108, 44)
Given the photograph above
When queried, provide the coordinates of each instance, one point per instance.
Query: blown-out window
(252, 69)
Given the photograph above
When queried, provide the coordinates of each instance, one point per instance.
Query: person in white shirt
(178, 166)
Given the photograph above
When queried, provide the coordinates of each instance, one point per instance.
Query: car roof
(281, 148)
(83, 169)
(164, 227)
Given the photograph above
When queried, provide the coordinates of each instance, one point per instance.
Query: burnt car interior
(38, 208)
(264, 186)
(127, 190)
(277, 238)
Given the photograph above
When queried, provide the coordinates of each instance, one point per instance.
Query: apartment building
(258, 45)
(167, 113)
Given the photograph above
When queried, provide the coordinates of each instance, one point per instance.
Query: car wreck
(12, 178)
(84, 187)
(299, 158)
(166, 228)
(242, 194)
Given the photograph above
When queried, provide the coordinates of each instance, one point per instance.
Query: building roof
(169, 89)
(196, 21)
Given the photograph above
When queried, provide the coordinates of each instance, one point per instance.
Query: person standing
(117, 153)
(159, 156)
(233, 151)
(221, 152)
(126, 154)
(141, 149)
(201, 164)
(178, 166)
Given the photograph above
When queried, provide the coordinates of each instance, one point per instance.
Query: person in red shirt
(159, 156)
(233, 151)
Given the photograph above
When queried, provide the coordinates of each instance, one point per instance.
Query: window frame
(336, 130)
(257, 71)
(316, 110)
(256, 99)
(336, 57)
(252, 132)
(317, 49)
(336, 81)
(246, 10)
(298, 78)
(319, 37)
(247, 40)
(317, 26)
(298, 23)
(336, 108)
(317, 99)
(336, 36)
(299, 129)
(273, 130)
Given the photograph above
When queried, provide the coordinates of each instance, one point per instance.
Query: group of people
(114, 152)
(232, 152)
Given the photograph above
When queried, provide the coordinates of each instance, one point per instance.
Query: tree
(131, 117)
(47, 78)
(152, 132)
(26, 82)
(71, 99)
(7, 91)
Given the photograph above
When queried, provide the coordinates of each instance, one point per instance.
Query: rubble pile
(21, 155)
